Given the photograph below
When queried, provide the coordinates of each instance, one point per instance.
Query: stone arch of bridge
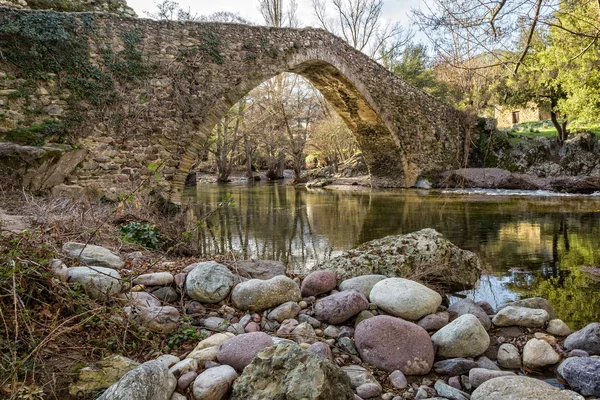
(380, 146)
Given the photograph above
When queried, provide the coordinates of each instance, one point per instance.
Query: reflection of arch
(380, 147)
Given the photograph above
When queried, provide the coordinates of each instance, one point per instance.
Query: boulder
(98, 282)
(394, 344)
(427, 251)
(454, 366)
(259, 295)
(154, 279)
(477, 376)
(93, 255)
(209, 282)
(359, 376)
(260, 269)
(587, 339)
(534, 302)
(521, 388)
(508, 356)
(558, 327)
(582, 374)
(434, 322)
(340, 307)
(362, 284)
(159, 319)
(448, 392)
(538, 353)
(521, 316)
(317, 283)
(214, 383)
(405, 298)
(150, 381)
(321, 349)
(139, 299)
(239, 351)
(463, 337)
(287, 372)
(285, 311)
(102, 375)
(468, 306)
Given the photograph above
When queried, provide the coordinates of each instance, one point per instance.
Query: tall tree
(279, 13)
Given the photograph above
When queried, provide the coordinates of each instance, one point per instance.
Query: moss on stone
(34, 135)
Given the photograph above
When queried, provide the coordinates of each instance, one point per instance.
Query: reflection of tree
(549, 240)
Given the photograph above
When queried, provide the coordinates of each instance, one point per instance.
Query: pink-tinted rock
(454, 381)
(252, 327)
(318, 282)
(321, 349)
(340, 307)
(180, 280)
(186, 379)
(394, 344)
(239, 351)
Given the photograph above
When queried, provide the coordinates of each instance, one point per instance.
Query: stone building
(508, 116)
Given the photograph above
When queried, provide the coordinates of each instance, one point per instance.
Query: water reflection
(531, 245)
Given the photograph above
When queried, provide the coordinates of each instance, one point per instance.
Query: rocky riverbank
(265, 335)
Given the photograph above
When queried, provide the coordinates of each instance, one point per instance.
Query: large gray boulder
(534, 302)
(427, 252)
(89, 254)
(150, 381)
(209, 282)
(521, 316)
(287, 372)
(405, 298)
(214, 383)
(587, 339)
(98, 282)
(582, 374)
(362, 284)
(521, 388)
(259, 295)
(468, 306)
(463, 337)
(260, 269)
(394, 344)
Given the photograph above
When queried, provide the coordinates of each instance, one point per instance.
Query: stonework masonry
(152, 88)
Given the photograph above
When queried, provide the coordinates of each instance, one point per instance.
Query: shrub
(143, 233)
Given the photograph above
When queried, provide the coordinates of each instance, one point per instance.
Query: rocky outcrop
(495, 178)
(39, 168)
(287, 372)
(426, 253)
(151, 380)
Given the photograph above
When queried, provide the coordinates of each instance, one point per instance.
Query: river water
(532, 243)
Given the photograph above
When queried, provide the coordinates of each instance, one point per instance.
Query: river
(531, 243)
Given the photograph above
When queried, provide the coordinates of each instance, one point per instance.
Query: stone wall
(137, 94)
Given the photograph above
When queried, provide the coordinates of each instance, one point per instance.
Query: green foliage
(185, 333)
(414, 67)
(35, 135)
(49, 42)
(128, 64)
(142, 233)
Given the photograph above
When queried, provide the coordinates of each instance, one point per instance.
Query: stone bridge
(138, 94)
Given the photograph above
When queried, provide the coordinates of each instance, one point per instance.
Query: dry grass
(48, 328)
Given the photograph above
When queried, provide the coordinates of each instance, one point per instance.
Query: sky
(394, 10)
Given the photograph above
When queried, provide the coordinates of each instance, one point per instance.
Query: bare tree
(360, 23)
(279, 13)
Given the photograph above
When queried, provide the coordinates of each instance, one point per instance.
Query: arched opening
(379, 146)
